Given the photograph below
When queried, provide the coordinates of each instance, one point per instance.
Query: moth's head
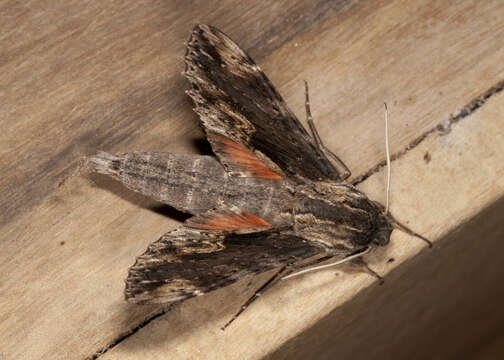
(378, 232)
(383, 230)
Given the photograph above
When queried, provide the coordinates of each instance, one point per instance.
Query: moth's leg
(267, 285)
(406, 229)
(295, 267)
(318, 140)
(354, 260)
(287, 272)
(359, 262)
(349, 258)
(279, 275)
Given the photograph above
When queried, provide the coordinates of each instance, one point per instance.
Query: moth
(272, 197)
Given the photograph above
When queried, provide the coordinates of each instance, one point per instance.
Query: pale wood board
(77, 77)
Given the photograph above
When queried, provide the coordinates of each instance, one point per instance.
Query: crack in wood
(130, 332)
(442, 128)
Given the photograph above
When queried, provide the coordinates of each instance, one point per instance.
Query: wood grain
(77, 77)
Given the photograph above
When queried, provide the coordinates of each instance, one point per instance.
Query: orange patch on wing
(239, 158)
(231, 221)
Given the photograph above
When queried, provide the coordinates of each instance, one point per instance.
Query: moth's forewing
(235, 98)
(187, 262)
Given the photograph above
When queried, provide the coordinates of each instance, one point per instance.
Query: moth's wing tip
(198, 29)
(202, 27)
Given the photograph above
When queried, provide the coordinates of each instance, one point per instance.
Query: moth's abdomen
(269, 199)
(195, 183)
(189, 183)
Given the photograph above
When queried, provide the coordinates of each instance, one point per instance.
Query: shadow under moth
(269, 199)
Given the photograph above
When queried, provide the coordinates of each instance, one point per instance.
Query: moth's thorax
(337, 215)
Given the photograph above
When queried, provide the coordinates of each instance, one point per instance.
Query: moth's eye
(361, 239)
(382, 237)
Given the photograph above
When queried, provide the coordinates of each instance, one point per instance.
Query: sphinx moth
(270, 198)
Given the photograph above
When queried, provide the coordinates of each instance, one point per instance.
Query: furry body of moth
(269, 199)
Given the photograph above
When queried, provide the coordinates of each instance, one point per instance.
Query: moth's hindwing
(240, 161)
(188, 262)
(227, 217)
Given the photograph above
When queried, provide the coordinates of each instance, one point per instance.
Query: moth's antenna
(387, 150)
(394, 222)
(344, 260)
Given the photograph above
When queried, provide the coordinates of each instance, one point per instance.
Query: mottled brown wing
(234, 98)
(187, 262)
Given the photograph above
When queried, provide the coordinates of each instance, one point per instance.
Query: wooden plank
(83, 76)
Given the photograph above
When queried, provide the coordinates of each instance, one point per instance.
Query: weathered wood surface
(77, 77)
